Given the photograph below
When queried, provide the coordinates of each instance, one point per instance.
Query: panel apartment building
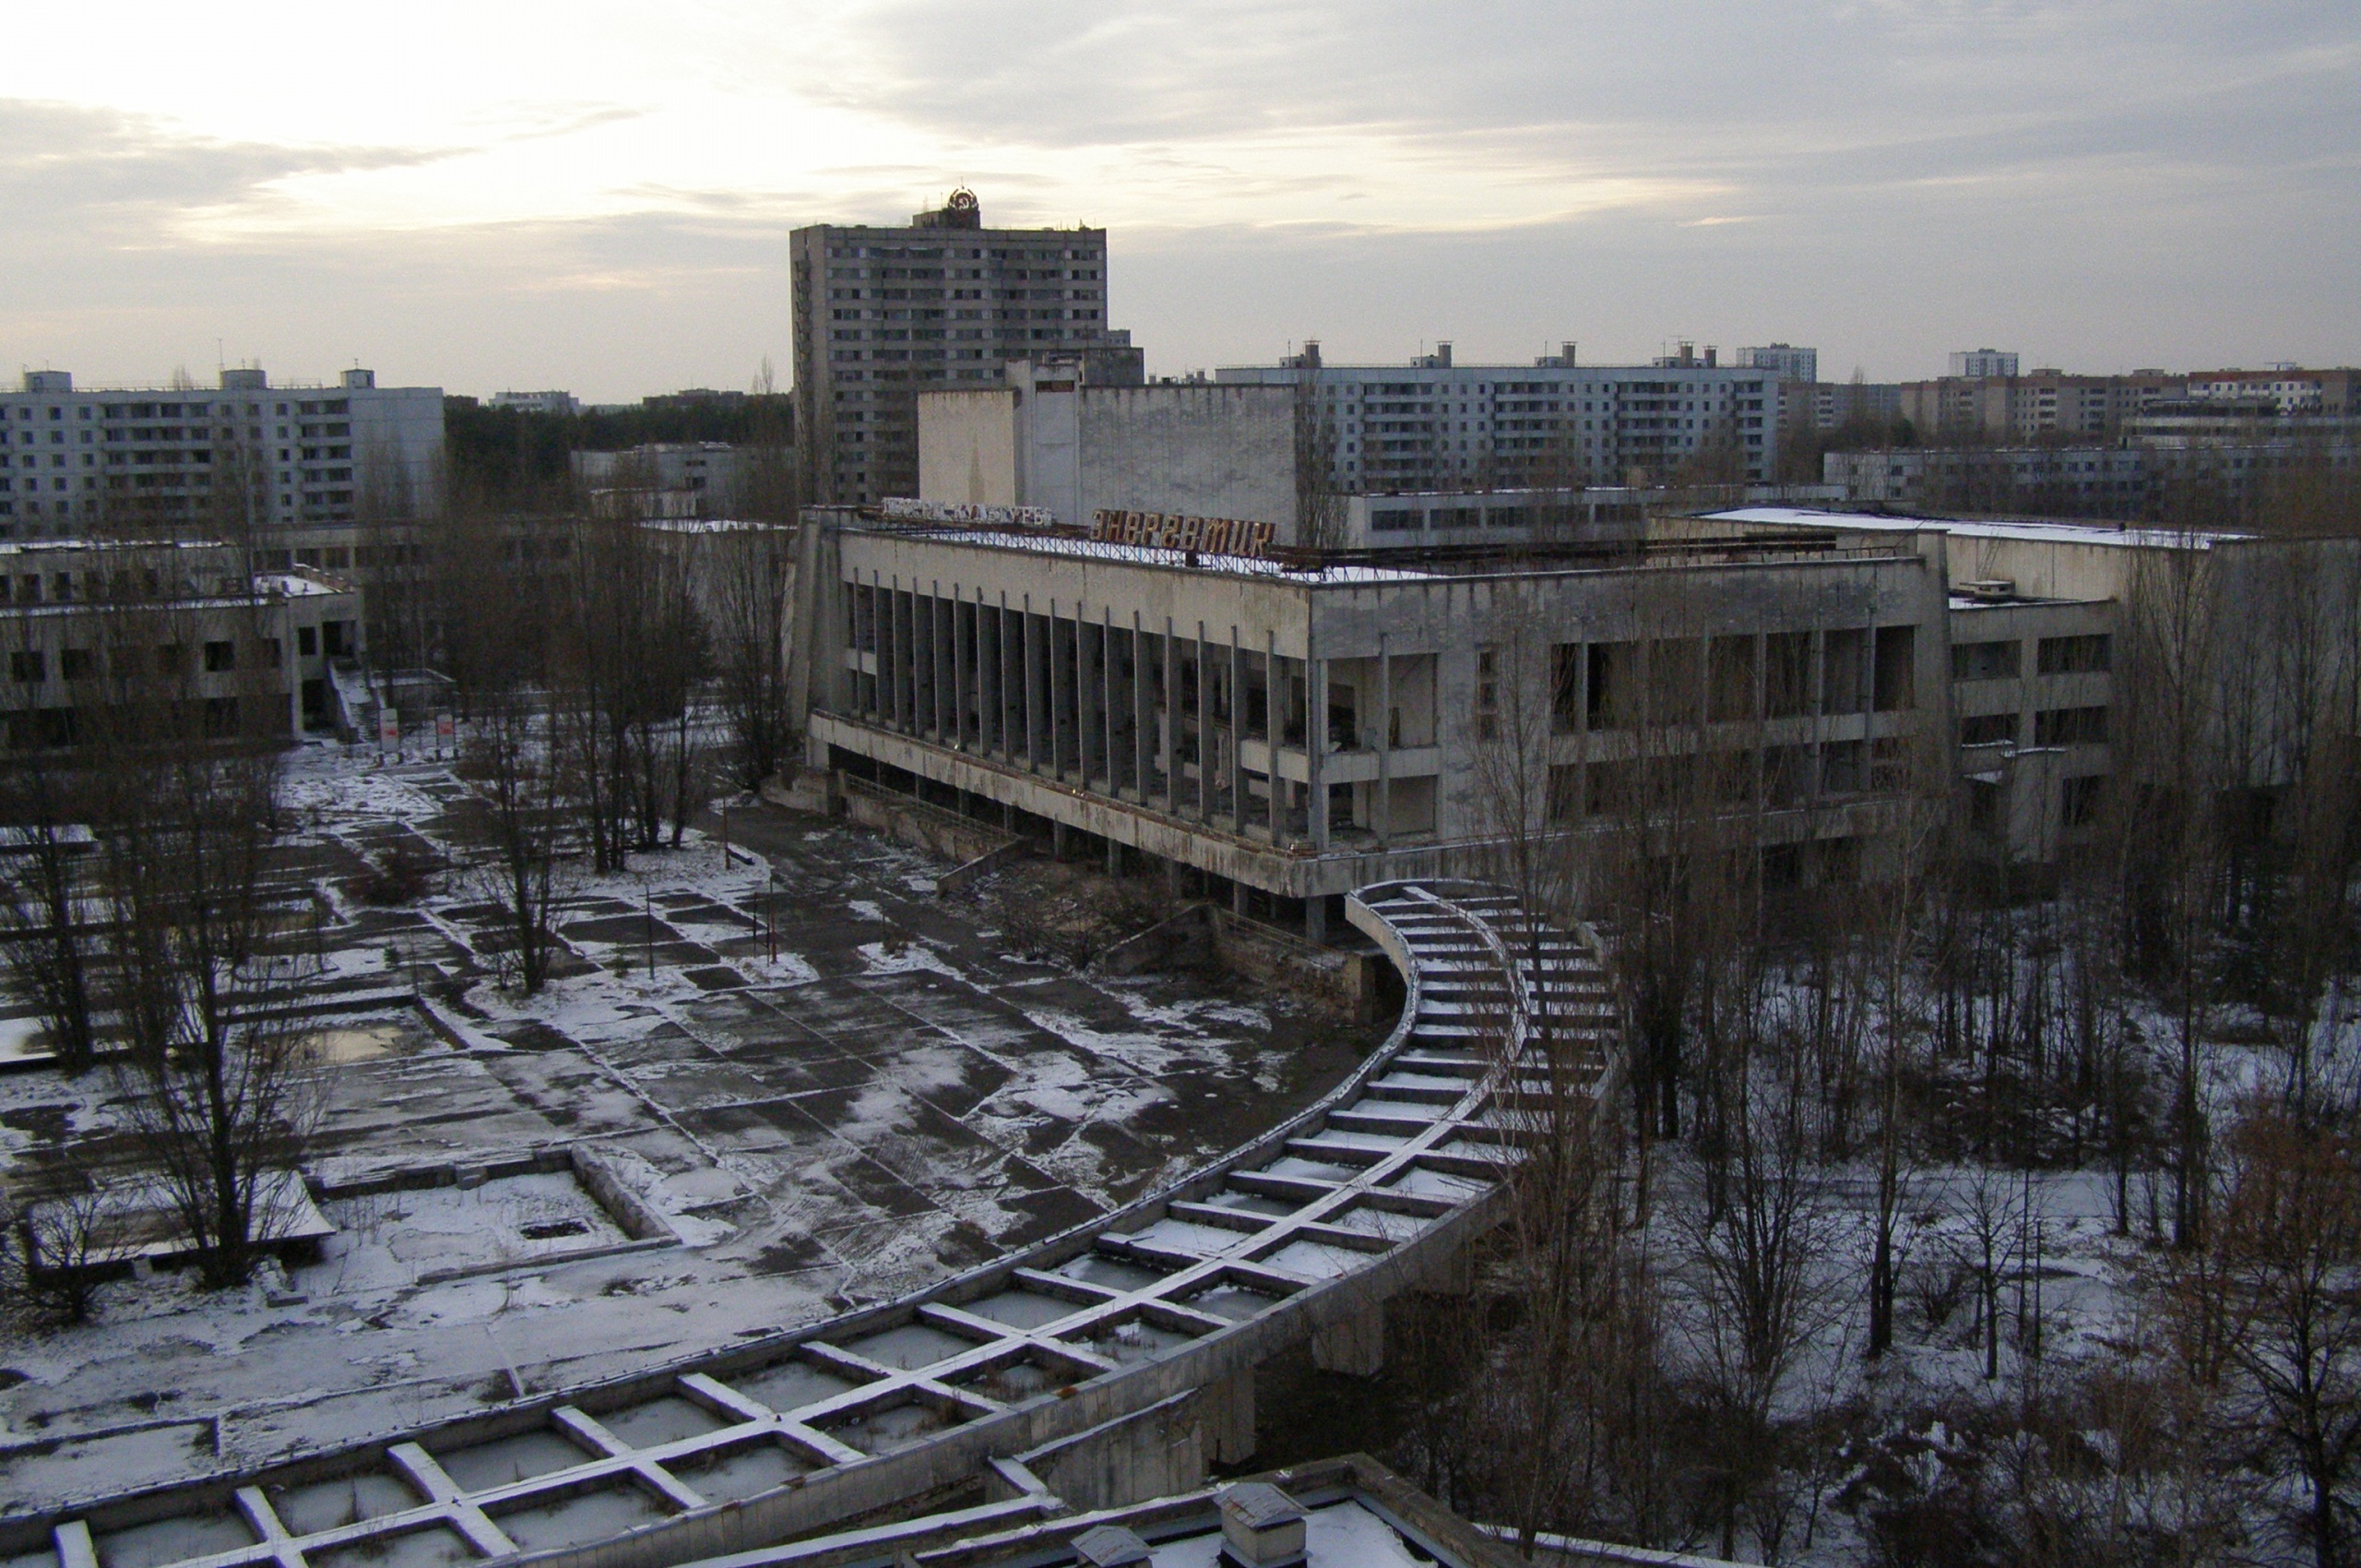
(883, 314)
(243, 454)
(1433, 425)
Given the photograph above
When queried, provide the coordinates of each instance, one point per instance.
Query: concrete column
(1032, 687)
(1004, 648)
(1315, 746)
(1063, 698)
(874, 709)
(1236, 735)
(1114, 858)
(938, 663)
(1107, 707)
(1353, 1342)
(1205, 727)
(1171, 720)
(1140, 713)
(1273, 720)
(1384, 810)
(1086, 698)
(922, 649)
(901, 657)
(1315, 918)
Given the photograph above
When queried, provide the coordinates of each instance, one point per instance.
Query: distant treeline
(519, 457)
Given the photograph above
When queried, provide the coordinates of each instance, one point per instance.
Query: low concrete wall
(956, 838)
(1273, 957)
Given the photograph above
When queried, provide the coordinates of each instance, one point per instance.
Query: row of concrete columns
(1153, 715)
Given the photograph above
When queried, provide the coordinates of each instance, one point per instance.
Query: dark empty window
(1983, 661)
(2069, 726)
(1988, 729)
(1897, 669)
(2085, 798)
(28, 665)
(2073, 655)
(1786, 685)
(220, 658)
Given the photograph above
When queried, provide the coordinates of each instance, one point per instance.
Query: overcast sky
(597, 196)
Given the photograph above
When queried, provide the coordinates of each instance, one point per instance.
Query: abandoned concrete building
(85, 623)
(1285, 731)
(1051, 437)
(2039, 615)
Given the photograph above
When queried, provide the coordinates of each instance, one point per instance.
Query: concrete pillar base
(1353, 1343)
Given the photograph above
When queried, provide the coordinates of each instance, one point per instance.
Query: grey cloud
(98, 169)
(1805, 93)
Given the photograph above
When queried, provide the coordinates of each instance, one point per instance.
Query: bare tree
(508, 762)
(51, 949)
(1319, 503)
(218, 1077)
(750, 597)
(2283, 1304)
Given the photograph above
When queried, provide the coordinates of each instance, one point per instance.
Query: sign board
(1163, 531)
(903, 509)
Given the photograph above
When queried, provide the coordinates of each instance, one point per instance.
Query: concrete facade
(2038, 617)
(244, 453)
(881, 314)
(1434, 425)
(1048, 437)
(1307, 730)
(88, 625)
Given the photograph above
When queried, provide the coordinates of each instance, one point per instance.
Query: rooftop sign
(1163, 531)
(901, 508)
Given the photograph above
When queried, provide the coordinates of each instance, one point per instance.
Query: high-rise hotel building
(883, 314)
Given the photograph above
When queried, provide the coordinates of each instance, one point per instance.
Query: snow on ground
(831, 1089)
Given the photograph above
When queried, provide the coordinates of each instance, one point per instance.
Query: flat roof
(2032, 533)
(1151, 555)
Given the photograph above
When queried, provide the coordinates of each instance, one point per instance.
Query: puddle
(910, 1346)
(1311, 1260)
(790, 1386)
(327, 1505)
(172, 1541)
(1231, 1302)
(1093, 1269)
(659, 1421)
(1188, 1236)
(1021, 1309)
(433, 1547)
(1017, 1382)
(727, 1475)
(882, 1431)
(509, 1459)
(1136, 1341)
(579, 1519)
